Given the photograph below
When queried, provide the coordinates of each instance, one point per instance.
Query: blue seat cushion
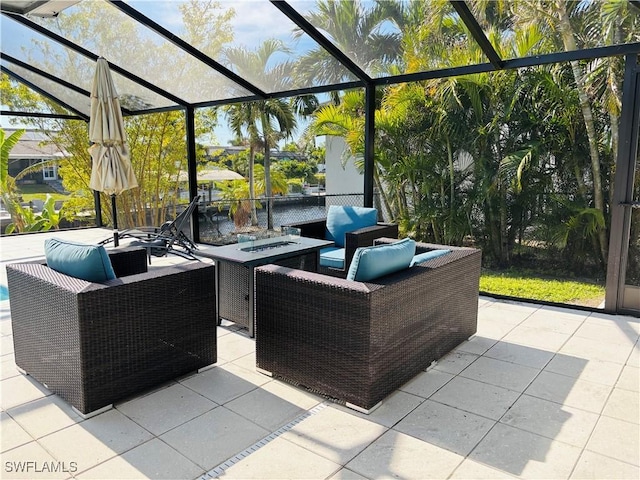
(341, 220)
(88, 262)
(423, 257)
(370, 263)
(332, 257)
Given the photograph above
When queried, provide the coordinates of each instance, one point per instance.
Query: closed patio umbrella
(111, 172)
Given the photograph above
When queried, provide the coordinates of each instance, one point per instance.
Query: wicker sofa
(358, 342)
(97, 343)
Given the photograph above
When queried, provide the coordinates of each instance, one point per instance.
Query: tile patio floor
(538, 392)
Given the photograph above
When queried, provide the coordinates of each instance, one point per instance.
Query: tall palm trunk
(252, 186)
(569, 42)
(267, 171)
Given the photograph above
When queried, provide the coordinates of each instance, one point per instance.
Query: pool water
(4, 293)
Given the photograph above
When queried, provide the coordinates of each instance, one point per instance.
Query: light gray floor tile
(615, 333)
(590, 370)
(524, 454)
(569, 391)
(6, 344)
(5, 321)
(20, 389)
(426, 384)
(226, 382)
(214, 437)
(45, 415)
(590, 349)
(396, 455)
(562, 313)
(549, 320)
(166, 408)
(334, 434)
(542, 339)
(634, 358)
(629, 379)
(95, 440)
(14, 467)
(393, 408)
(624, 405)
(491, 327)
(281, 459)
(551, 420)
(624, 323)
(265, 409)
(476, 344)
(502, 374)
(520, 354)
(476, 397)
(516, 309)
(153, 459)
(617, 439)
(346, 474)
(592, 466)
(454, 362)
(13, 435)
(234, 346)
(470, 469)
(504, 314)
(447, 427)
(247, 362)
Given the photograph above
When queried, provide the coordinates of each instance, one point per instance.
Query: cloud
(256, 21)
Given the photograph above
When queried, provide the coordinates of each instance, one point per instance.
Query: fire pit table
(235, 266)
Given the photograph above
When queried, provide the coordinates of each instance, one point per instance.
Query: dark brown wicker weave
(363, 237)
(94, 344)
(358, 342)
(235, 285)
(128, 260)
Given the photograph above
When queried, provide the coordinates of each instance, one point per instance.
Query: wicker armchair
(358, 342)
(363, 237)
(95, 344)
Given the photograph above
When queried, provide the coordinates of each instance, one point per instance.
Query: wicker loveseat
(97, 343)
(358, 342)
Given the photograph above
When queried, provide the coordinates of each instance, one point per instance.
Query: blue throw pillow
(341, 220)
(423, 257)
(88, 262)
(370, 263)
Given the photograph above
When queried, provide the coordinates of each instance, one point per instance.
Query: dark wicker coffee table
(235, 277)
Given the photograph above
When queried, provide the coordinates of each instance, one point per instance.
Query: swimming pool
(4, 293)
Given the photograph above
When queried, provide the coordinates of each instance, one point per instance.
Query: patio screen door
(631, 294)
(623, 271)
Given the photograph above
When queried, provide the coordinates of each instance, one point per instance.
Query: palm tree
(265, 121)
(242, 117)
(357, 32)
(7, 183)
(561, 16)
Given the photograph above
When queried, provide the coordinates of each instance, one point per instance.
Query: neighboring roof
(34, 145)
(165, 54)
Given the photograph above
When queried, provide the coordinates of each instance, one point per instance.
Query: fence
(220, 221)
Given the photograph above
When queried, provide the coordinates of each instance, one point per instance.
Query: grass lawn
(37, 191)
(516, 284)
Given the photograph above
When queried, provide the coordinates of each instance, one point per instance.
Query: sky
(249, 13)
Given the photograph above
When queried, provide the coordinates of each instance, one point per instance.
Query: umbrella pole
(114, 213)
